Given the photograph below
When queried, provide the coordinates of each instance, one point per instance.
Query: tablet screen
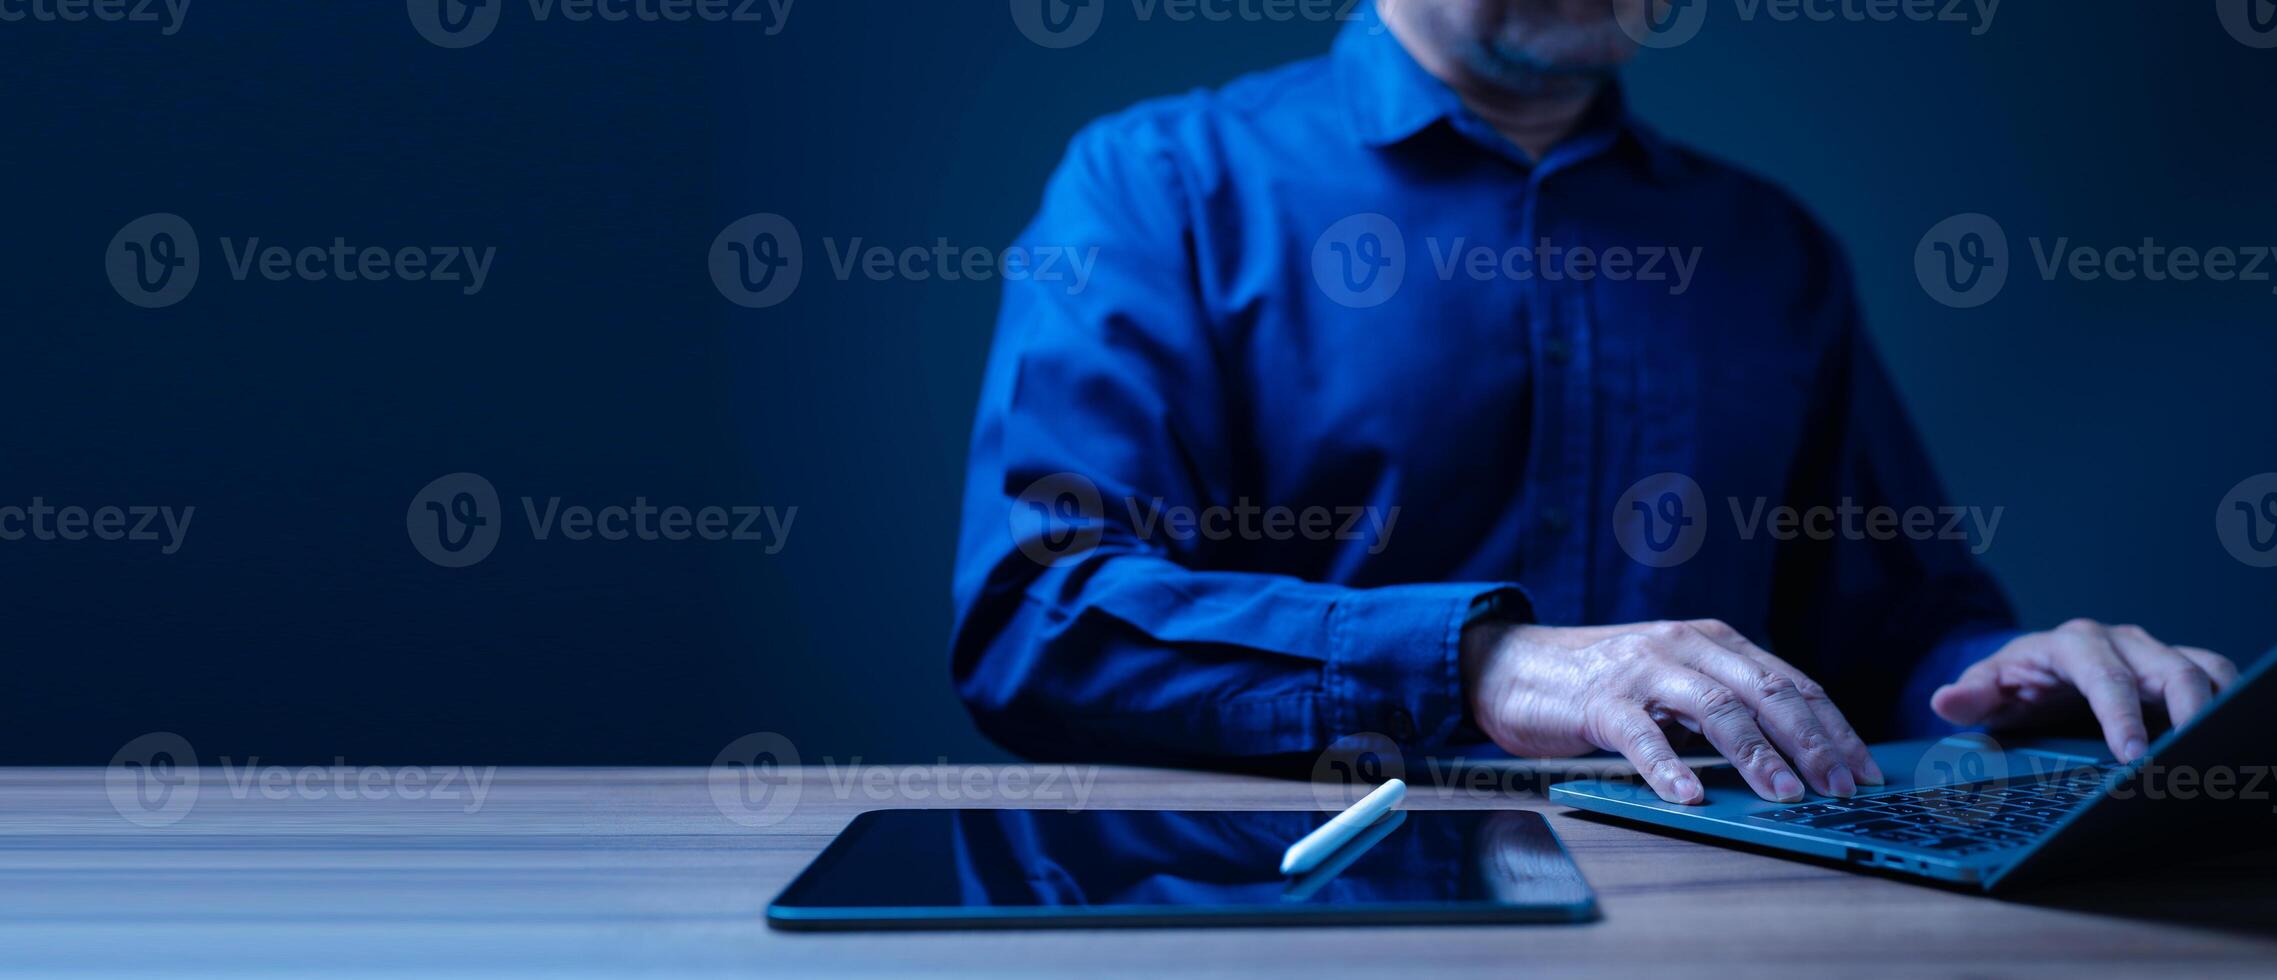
(1033, 868)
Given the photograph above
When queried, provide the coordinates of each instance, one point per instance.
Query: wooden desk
(637, 870)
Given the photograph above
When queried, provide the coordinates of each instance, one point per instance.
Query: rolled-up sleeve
(1082, 630)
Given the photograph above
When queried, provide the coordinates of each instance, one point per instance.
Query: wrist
(1480, 641)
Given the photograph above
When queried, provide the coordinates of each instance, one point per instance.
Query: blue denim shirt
(1331, 293)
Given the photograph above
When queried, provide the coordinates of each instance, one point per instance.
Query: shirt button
(1557, 351)
(1556, 520)
(1402, 725)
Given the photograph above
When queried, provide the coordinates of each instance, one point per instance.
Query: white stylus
(1315, 847)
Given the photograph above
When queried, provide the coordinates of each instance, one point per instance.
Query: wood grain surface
(644, 871)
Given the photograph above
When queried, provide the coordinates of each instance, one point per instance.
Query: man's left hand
(2117, 669)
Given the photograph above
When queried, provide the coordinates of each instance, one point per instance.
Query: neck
(1533, 113)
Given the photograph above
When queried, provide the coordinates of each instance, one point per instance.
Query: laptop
(2002, 815)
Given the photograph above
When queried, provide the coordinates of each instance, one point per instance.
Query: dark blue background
(599, 363)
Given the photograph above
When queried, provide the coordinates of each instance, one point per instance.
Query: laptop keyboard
(1963, 819)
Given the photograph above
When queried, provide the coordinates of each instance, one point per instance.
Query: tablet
(966, 869)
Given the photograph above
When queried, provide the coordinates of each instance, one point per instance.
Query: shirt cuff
(1395, 658)
(1943, 666)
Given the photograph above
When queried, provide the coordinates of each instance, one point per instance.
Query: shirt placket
(1564, 429)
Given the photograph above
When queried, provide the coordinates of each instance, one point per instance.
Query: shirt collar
(1391, 98)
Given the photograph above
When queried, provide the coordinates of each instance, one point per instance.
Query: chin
(1590, 51)
(1534, 65)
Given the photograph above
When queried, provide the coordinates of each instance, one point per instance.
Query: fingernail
(2135, 750)
(1839, 782)
(1687, 789)
(1786, 787)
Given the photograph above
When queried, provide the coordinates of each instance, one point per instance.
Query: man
(1273, 322)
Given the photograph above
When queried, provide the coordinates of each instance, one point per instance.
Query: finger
(1846, 738)
(1627, 729)
(1780, 711)
(1846, 741)
(2222, 669)
(2084, 656)
(1972, 697)
(2163, 672)
(1728, 723)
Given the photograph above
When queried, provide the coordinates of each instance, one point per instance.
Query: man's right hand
(1542, 691)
